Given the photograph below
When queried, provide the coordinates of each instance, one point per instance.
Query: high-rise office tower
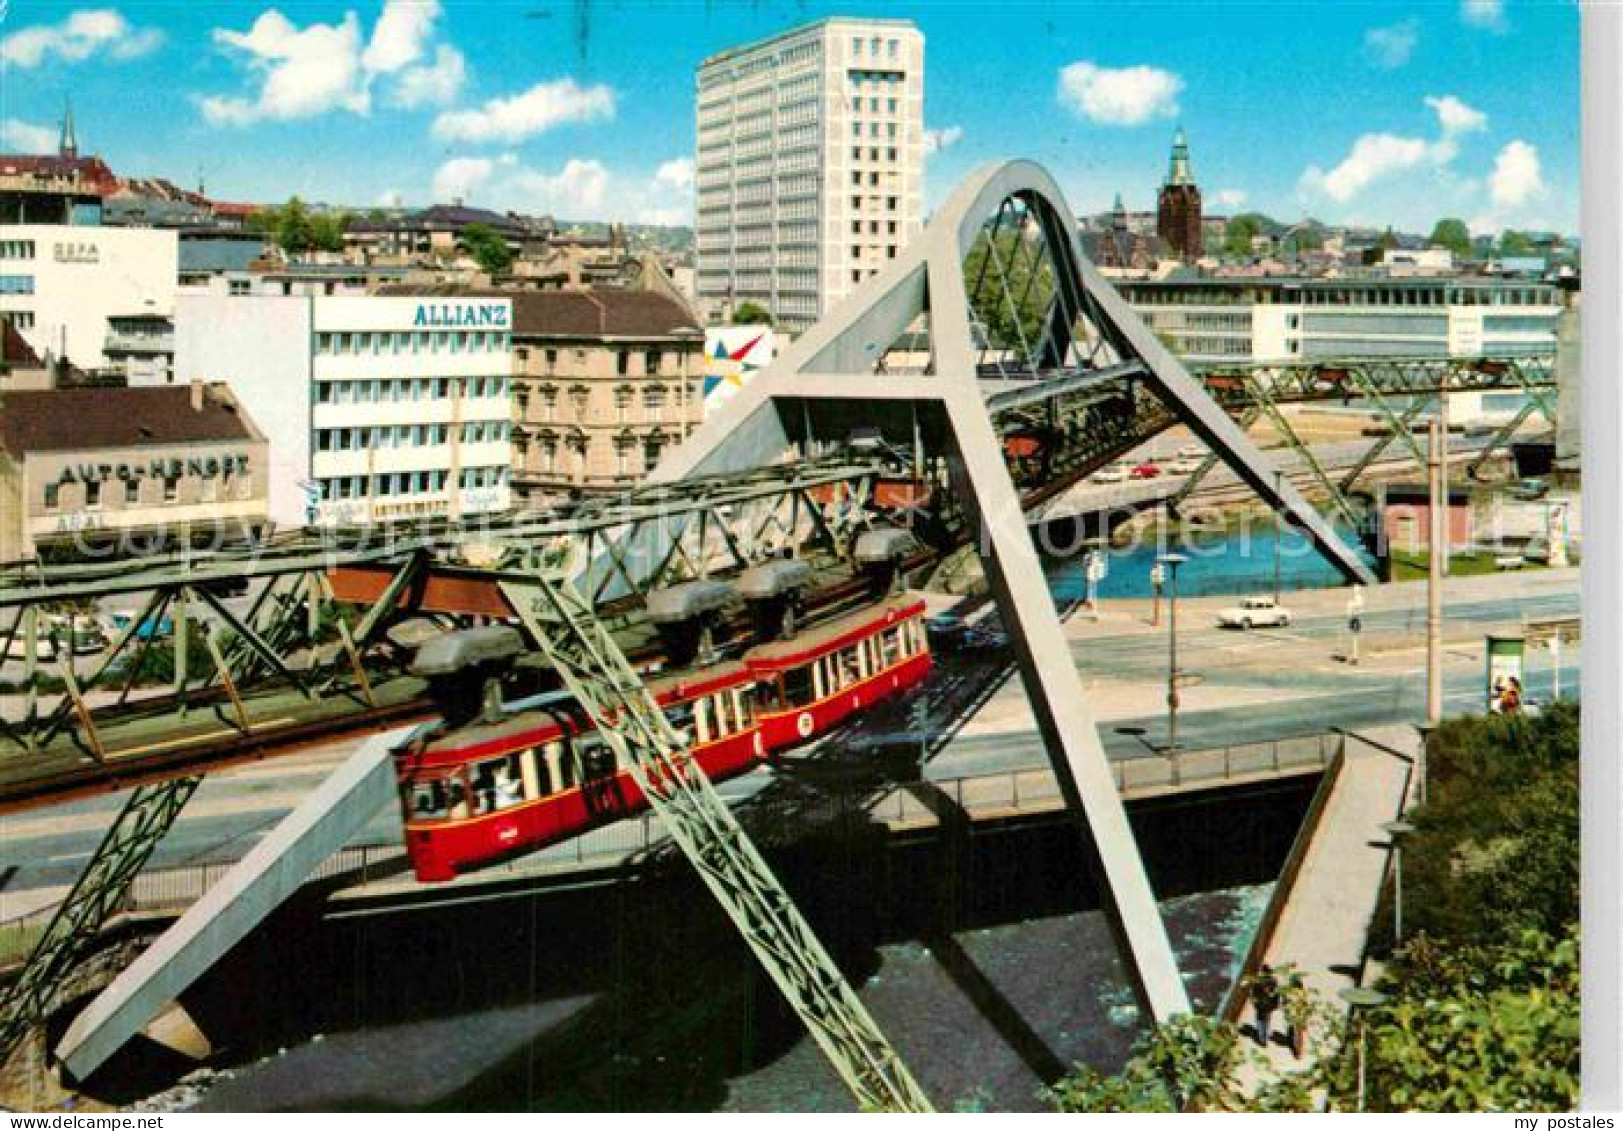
(810, 165)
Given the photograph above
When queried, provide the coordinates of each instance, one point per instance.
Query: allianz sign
(456, 315)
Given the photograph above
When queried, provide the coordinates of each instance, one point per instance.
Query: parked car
(1183, 466)
(1192, 451)
(119, 620)
(76, 635)
(1530, 489)
(1252, 612)
(1147, 470)
(1111, 474)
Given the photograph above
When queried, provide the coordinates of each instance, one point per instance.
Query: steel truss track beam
(94, 898)
(584, 653)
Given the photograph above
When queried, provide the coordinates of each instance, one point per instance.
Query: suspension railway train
(521, 775)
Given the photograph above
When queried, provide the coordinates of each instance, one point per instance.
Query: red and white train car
(539, 773)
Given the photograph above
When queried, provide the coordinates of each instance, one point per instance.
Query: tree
(752, 314)
(488, 248)
(292, 228)
(1011, 291)
(327, 231)
(1514, 243)
(1240, 232)
(1452, 233)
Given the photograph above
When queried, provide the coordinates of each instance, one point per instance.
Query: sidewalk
(1327, 913)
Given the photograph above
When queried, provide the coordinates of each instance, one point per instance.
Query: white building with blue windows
(62, 285)
(377, 409)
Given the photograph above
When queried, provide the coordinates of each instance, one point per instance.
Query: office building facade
(377, 409)
(61, 285)
(1207, 320)
(810, 165)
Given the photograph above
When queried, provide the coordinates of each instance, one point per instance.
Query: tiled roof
(58, 420)
(598, 314)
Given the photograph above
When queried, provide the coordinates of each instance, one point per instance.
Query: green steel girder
(565, 626)
(96, 896)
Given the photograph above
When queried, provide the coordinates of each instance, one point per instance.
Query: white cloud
(310, 70)
(1517, 178)
(537, 110)
(1121, 96)
(461, 177)
(1392, 47)
(1378, 156)
(945, 138)
(391, 198)
(576, 192)
(401, 35)
(1373, 157)
(305, 71)
(1489, 14)
(432, 84)
(77, 38)
(677, 174)
(25, 137)
(582, 189)
(1456, 117)
(1229, 197)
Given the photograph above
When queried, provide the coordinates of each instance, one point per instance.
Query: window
(622, 362)
(650, 362)
(171, 488)
(132, 492)
(16, 284)
(53, 498)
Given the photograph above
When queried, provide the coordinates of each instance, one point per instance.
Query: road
(1238, 687)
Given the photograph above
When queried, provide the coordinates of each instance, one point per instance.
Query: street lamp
(1421, 761)
(1172, 562)
(1355, 624)
(1397, 830)
(1359, 999)
(1094, 569)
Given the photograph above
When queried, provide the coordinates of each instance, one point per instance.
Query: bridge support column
(237, 903)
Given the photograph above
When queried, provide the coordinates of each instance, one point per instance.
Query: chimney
(198, 393)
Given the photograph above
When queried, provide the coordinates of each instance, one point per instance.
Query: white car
(1183, 465)
(1111, 474)
(1192, 451)
(1253, 612)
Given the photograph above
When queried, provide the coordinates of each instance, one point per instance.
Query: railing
(164, 891)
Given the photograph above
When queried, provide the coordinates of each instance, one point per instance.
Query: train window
(457, 804)
(565, 761)
(701, 719)
(509, 782)
(741, 707)
(543, 773)
(680, 716)
(797, 686)
(484, 789)
(429, 801)
(890, 645)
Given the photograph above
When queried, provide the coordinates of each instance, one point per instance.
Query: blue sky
(1349, 112)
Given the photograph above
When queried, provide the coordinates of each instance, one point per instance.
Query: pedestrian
(1297, 1006)
(1264, 1000)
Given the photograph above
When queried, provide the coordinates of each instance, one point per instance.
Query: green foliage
(1514, 243)
(1452, 233)
(1188, 1062)
(1477, 1028)
(327, 231)
(487, 248)
(291, 227)
(1239, 232)
(1011, 291)
(752, 314)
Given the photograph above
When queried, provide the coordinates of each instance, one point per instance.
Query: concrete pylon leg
(237, 903)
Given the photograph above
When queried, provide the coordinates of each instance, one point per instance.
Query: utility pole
(1279, 528)
(1172, 562)
(1437, 537)
(1442, 423)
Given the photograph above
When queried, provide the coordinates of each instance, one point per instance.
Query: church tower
(1178, 220)
(68, 146)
